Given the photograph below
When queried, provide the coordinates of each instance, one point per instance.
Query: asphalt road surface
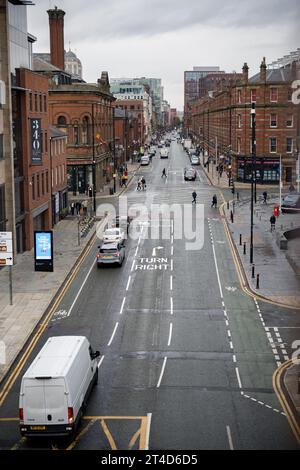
(186, 362)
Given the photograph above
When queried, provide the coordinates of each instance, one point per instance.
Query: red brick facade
(136, 108)
(126, 134)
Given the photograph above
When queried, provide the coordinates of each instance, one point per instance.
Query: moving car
(56, 386)
(195, 160)
(145, 160)
(291, 203)
(114, 235)
(153, 150)
(190, 174)
(111, 253)
(164, 153)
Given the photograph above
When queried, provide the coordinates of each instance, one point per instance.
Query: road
(186, 359)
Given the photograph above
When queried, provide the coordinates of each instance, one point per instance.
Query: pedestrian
(272, 222)
(124, 181)
(214, 201)
(72, 208)
(77, 207)
(194, 194)
(164, 173)
(265, 196)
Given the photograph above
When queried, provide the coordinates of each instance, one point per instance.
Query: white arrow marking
(156, 248)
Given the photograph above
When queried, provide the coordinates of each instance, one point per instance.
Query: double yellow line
(277, 378)
(15, 373)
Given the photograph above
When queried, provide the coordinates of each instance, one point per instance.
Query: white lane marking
(112, 336)
(80, 290)
(238, 377)
(128, 283)
(162, 372)
(172, 240)
(172, 250)
(172, 226)
(149, 418)
(229, 438)
(132, 267)
(171, 300)
(170, 334)
(171, 282)
(100, 362)
(122, 307)
(136, 251)
(218, 274)
(234, 358)
(172, 265)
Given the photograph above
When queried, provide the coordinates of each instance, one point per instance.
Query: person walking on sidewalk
(265, 196)
(272, 222)
(214, 201)
(164, 173)
(72, 208)
(194, 194)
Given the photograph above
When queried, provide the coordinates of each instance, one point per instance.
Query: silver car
(111, 253)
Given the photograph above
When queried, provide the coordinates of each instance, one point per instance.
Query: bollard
(253, 271)
(231, 216)
(241, 239)
(257, 281)
(245, 251)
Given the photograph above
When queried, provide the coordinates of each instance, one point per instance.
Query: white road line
(172, 240)
(112, 336)
(218, 275)
(229, 438)
(238, 377)
(171, 301)
(80, 290)
(136, 252)
(100, 362)
(234, 358)
(162, 372)
(170, 334)
(122, 307)
(172, 250)
(171, 282)
(128, 283)
(172, 265)
(133, 263)
(149, 418)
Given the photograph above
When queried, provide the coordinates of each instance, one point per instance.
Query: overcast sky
(162, 38)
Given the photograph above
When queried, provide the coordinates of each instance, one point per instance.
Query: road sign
(6, 249)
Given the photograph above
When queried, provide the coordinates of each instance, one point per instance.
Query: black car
(190, 174)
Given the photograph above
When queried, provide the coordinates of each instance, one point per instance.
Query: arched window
(85, 130)
(61, 121)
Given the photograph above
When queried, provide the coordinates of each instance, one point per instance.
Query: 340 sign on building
(36, 148)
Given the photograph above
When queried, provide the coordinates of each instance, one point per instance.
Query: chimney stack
(57, 46)
(245, 73)
(263, 71)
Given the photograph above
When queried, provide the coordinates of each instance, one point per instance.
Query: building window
(288, 174)
(253, 95)
(42, 141)
(45, 103)
(274, 95)
(273, 145)
(43, 184)
(273, 120)
(46, 141)
(33, 187)
(289, 120)
(61, 121)
(38, 185)
(239, 123)
(41, 103)
(1, 147)
(30, 102)
(289, 145)
(47, 182)
(239, 145)
(76, 140)
(85, 129)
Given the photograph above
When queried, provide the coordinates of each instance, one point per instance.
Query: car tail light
(116, 254)
(70, 415)
(21, 415)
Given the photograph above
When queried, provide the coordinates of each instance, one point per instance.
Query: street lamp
(253, 169)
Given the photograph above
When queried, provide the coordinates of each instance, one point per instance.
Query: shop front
(267, 170)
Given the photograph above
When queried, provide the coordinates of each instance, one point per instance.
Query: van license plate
(37, 428)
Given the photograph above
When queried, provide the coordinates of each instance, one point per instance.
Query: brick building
(221, 124)
(58, 172)
(136, 110)
(126, 134)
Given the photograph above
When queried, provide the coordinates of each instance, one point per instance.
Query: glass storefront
(267, 170)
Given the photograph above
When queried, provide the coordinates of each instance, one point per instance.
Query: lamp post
(253, 168)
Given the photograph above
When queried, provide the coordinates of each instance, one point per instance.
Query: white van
(55, 388)
(164, 153)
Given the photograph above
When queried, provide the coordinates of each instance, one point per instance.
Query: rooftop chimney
(245, 73)
(263, 70)
(57, 46)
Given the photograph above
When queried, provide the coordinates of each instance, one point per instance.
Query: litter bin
(111, 191)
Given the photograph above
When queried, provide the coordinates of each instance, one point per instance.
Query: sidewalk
(278, 280)
(33, 291)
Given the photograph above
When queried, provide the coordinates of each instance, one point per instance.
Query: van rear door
(56, 402)
(34, 402)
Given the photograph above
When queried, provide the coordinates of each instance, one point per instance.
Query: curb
(12, 373)
(285, 399)
(241, 271)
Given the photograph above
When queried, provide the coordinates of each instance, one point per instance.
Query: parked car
(55, 388)
(164, 153)
(145, 160)
(111, 253)
(195, 160)
(291, 203)
(153, 150)
(114, 235)
(190, 174)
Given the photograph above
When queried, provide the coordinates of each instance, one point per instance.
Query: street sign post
(6, 257)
